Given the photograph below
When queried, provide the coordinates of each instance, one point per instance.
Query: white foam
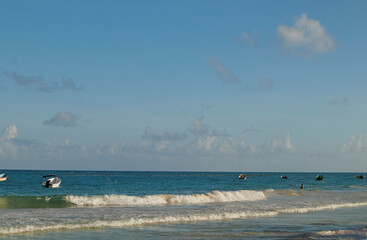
(164, 199)
(360, 232)
(323, 207)
(176, 219)
(332, 233)
(136, 222)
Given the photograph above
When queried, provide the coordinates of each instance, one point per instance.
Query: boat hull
(52, 183)
(2, 179)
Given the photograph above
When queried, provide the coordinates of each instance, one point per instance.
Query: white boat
(51, 181)
(3, 177)
(242, 176)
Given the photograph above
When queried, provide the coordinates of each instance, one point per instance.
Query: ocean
(182, 205)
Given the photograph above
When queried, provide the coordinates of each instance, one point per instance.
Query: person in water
(301, 186)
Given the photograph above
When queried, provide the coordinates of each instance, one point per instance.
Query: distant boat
(283, 177)
(360, 176)
(51, 182)
(242, 176)
(319, 177)
(3, 177)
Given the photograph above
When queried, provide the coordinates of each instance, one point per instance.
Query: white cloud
(161, 145)
(63, 119)
(306, 37)
(355, 144)
(8, 149)
(198, 128)
(206, 143)
(66, 143)
(114, 148)
(9, 132)
(228, 146)
(287, 143)
(282, 144)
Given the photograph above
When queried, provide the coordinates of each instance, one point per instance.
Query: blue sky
(183, 85)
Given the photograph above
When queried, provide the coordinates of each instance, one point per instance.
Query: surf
(167, 199)
(170, 219)
(111, 200)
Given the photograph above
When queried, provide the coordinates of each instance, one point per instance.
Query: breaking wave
(16, 202)
(167, 199)
(344, 234)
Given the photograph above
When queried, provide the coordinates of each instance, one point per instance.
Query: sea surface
(182, 205)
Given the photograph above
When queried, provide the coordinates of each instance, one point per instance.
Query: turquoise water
(182, 205)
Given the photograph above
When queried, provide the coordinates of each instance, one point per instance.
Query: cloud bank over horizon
(174, 151)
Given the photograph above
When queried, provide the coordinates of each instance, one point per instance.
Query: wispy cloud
(223, 73)
(252, 40)
(306, 37)
(206, 106)
(282, 144)
(162, 141)
(355, 144)
(63, 119)
(251, 129)
(149, 135)
(339, 103)
(39, 83)
(262, 84)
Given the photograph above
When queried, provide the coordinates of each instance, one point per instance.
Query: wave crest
(167, 199)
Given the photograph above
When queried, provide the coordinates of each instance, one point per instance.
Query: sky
(200, 85)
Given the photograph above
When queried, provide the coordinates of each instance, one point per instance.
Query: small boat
(319, 177)
(51, 182)
(242, 176)
(283, 177)
(360, 176)
(3, 177)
